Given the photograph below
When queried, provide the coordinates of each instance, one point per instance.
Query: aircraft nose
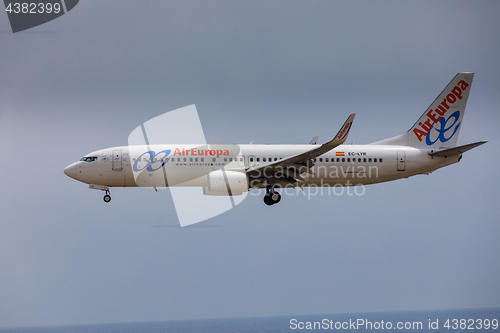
(70, 171)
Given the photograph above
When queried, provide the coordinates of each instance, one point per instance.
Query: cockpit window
(89, 159)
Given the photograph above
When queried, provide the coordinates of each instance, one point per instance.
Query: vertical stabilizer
(440, 124)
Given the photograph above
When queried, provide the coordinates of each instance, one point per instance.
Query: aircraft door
(117, 160)
(401, 160)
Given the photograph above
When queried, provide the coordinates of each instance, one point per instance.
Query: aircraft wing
(289, 165)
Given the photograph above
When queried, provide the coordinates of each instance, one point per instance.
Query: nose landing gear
(107, 197)
(272, 197)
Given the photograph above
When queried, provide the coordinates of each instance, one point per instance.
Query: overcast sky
(267, 71)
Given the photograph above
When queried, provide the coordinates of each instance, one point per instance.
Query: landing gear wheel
(107, 198)
(272, 197)
(275, 197)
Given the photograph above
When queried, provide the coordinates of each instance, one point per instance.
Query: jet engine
(218, 181)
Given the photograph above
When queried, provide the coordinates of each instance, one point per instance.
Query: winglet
(314, 140)
(313, 153)
(341, 136)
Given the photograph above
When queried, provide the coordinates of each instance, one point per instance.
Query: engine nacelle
(217, 185)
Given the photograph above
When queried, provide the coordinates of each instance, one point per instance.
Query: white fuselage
(346, 165)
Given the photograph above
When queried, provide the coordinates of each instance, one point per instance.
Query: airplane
(231, 170)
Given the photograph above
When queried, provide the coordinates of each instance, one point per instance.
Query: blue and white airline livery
(231, 170)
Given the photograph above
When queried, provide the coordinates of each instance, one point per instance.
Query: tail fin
(440, 124)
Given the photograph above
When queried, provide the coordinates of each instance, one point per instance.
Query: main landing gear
(107, 197)
(272, 197)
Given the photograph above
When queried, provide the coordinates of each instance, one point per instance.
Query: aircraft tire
(275, 197)
(107, 198)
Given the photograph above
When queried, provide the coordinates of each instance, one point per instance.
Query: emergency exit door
(401, 160)
(116, 161)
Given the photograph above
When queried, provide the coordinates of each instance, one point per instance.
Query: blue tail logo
(443, 129)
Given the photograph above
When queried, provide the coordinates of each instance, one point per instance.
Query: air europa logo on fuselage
(436, 114)
(151, 160)
(154, 158)
(201, 152)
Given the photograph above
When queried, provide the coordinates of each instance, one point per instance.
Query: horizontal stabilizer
(457, 150)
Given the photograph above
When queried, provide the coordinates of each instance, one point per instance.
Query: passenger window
(196, 159)
(321, 159)
(230, 159)
(213, 159)
(225, 159)
(263, 159)
(359, 160)
(374, 160)
(380, 160)
(369, 160)
(202, 159)
(338, 159)
(178, 159)
(251, 159)
(364, 159)
(343, 159)
(258, 159)
(348, 160)
(275, 159)
(326, 159)
(314, 160)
